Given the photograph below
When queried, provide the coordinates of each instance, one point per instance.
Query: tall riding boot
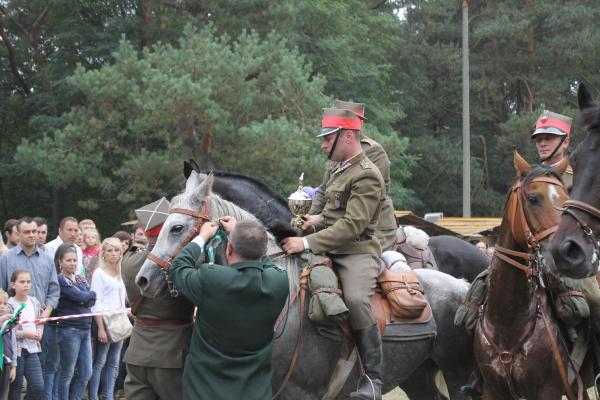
(368, 343)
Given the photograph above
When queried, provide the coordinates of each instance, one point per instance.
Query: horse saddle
(413, 243)
(399, 307)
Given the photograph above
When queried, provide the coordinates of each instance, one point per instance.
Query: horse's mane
(221, 207)
(589, 116)
(254, 182)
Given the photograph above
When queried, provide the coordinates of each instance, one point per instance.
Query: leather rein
(569, 208)
(525, 237)
(201, 217)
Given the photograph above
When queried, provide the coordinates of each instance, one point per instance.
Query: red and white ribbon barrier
(73, 316)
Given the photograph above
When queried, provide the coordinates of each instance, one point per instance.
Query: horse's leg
(421, 384)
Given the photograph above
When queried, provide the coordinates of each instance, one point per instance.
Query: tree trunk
(58, 206)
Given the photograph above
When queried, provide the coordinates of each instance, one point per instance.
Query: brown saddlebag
(404, 293)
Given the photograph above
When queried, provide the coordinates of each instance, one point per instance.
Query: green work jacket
(232, 340)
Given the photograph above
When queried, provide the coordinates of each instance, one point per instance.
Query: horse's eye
(532, 199)
(176, 228)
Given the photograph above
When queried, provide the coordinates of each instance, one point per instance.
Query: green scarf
(8, 324)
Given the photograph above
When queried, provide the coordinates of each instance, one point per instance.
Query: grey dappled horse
(451, 350)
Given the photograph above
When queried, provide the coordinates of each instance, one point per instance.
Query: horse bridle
(201, 217)
(532, 270)
(569, 208)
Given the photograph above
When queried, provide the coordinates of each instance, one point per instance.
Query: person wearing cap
(552, 137)
(344, 232)
(162, 328)
(386, 225)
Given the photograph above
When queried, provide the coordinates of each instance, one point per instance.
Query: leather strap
(580, 205)
(529, 271)
(562, 370)
(296, 352)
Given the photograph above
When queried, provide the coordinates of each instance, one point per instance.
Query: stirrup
(374, 393)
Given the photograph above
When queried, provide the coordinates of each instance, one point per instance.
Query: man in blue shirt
(27, 255)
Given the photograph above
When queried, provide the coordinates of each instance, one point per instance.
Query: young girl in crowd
(110, 296)
(10, 348)
(28, 338)
(73, 335)
(91, 240)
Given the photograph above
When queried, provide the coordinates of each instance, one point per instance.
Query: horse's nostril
(572, 252)
(142, 283)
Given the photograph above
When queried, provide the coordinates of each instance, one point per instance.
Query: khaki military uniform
(385, 229)
(354, 196)
(156, 354)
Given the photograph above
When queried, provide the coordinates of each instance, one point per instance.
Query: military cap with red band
(153, 216)
(335, 119)
(358, 108)
(552, 123)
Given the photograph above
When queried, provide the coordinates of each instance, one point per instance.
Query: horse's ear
(562, 166)
(187, 169)
(584, 98)
(194, 165)
(521, 165)
(203, 189)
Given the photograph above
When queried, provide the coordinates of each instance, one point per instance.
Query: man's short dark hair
(9, 224)
(249, 240)
(24, 220)
(137, 226)
(65, 220)
(40, 221)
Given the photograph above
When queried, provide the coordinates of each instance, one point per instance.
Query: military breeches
(151, 383)
(592, 295)
(358, 274)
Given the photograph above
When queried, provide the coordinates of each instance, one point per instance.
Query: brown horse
(575, 247)
(516, 332)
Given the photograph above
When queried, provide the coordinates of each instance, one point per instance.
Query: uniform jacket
(377, 155)
(238, 304)
(354, 197)
(162, 346)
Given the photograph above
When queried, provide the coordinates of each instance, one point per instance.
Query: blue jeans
(50, 360)
(28, 365)
(106, 367)
(75, 350)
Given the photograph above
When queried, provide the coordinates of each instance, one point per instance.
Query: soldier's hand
(293, 245)
(228, 223)
(312, 219)
(208, 230)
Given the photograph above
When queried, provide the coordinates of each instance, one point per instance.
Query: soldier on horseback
(344, 231)
(386, 225)
(552, 138)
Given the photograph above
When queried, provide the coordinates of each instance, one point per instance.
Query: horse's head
(151, 279)
(533, 206)
(575, 245)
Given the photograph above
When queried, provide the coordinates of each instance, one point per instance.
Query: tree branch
(12, 60)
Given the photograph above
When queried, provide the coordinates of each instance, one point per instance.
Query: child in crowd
(73, 335)
(9, 361)
(28, 338)
(91, 240)
(110, 292)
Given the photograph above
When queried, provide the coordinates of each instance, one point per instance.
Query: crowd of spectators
(74, 273)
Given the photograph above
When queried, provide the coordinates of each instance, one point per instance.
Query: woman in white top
(110, 296)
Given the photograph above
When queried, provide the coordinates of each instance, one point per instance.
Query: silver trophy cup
(299, 203)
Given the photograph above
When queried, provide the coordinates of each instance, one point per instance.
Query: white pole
(466, 192)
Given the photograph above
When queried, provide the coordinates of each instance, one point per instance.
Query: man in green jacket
(344, 231)
(238, 304)
(386, 225)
